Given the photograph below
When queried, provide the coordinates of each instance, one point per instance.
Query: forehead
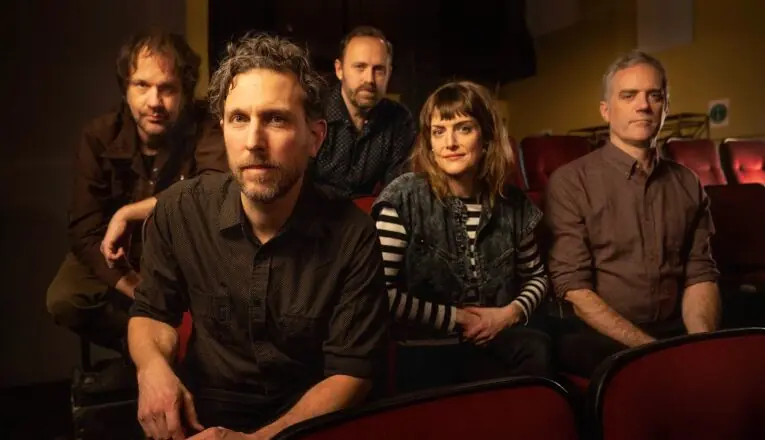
(153, 66)
(456, 119)
(367, 49)
(263, 88)
(638, 77)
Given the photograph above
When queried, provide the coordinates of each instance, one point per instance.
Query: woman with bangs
(462, 267)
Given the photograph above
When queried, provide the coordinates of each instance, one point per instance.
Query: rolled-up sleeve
(700, 265)
(359, 325)
(570, 258)
(161, 294)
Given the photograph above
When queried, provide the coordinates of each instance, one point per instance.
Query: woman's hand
(491, 320)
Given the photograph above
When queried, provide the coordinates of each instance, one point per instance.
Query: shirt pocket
(215, 309)
(301, 336)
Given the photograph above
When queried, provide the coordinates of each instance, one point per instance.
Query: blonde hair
(466, 98)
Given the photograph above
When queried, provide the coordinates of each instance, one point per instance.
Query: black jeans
(579, 349)
(515, 351)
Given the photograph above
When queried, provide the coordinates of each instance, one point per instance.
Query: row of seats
(732, 161)
(662, 391)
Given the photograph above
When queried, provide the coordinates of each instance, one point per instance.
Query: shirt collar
(624, 163)
(305, 219)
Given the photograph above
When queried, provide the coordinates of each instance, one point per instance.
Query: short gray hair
(632, 59)
(263, 51)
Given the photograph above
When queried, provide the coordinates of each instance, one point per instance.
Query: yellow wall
(196, 35)
(725, 60)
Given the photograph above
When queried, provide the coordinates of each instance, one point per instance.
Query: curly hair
(264, 51)
(186, 62)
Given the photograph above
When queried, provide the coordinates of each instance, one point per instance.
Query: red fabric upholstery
(365, 203)
(184, 333)
(747, 160)
(582, 384)
(520, 409)
(706, 386)
(543, 155)
(701, 156)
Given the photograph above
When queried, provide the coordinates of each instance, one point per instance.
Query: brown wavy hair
(468, 99)
(186, 62)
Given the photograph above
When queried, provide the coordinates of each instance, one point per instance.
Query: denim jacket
(437, 265)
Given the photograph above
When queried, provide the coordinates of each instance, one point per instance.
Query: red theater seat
(526, 408)
(701, 156)
(517, 168)
(703, 387)
(365, 203)
(543, 155)
(747, 160)
(184, 334)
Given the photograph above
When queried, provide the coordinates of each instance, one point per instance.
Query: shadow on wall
(54, 92)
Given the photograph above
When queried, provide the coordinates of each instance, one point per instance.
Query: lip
(453, 156)
(642, 121)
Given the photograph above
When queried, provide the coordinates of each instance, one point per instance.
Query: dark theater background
(543, 60)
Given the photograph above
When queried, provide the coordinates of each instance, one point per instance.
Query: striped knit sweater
(406, 305)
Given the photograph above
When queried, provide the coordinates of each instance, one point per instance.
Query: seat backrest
(701, 156)
(365, 203)
(739, 240)
(525, 407)
(544, 154)
(702, 387)
(184, 334)
(746, 159)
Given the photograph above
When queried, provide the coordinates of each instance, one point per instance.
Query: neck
(358, 117)
(463, 186)
(267, 219)
(642, 153)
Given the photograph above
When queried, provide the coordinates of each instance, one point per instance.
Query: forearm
(150, 341)
(332, 394)
(407, 307)
(138, 211)
(701, 307)
(597, 314)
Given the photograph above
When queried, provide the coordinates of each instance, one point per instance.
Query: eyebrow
(263, 113)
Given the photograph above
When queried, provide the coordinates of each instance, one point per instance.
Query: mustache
(259, 163)
(368, 88)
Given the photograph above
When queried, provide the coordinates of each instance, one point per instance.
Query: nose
(643, 102)
(255, 136)
(153, 99)
(368, 76)
(451, 140)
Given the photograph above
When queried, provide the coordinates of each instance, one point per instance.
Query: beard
(363, 103)
(269, 186)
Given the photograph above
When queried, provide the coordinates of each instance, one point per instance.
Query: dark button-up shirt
(353, 163)
(271, 317)
(636, 237)
(110, 172)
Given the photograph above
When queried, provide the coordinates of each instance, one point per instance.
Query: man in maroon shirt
(631, 231)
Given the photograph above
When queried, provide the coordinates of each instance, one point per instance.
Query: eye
(466, 129)
(237, 118)
(277, 120)
(437, 131)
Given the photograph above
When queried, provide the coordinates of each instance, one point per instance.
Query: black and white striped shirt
(406, 305)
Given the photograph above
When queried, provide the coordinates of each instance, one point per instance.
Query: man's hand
(127, 284)
(161, 396)
(114, 246)
(222, 433)
(491, 320)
